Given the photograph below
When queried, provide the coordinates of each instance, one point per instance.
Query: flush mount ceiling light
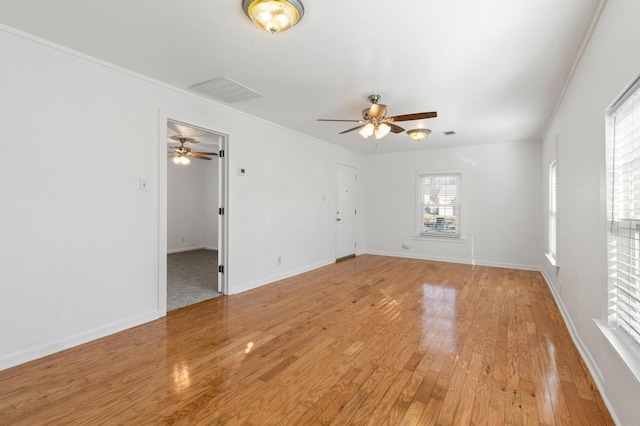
(418, 134)
(274, 15)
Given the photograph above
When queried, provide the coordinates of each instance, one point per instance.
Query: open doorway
(193, 224)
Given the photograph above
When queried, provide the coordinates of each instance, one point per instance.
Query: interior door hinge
(221, 269)
(221, 210)
(221, 153)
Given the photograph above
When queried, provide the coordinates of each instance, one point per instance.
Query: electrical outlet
(279, 260)
(144, 184)
(183, 239)
(405, 246)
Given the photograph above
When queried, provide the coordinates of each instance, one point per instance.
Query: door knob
(338, 219)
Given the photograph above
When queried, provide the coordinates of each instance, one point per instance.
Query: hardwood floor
(369, 341)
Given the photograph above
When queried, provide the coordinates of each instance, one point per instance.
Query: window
(438, 204)
(553, 213)
(623, 173)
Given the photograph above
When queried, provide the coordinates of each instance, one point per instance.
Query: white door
(346, 212)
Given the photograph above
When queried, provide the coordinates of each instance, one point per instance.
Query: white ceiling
(205, 140)
(492, 69)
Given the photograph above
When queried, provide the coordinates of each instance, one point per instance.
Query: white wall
(608, 64)
(79, 242)
(192, 205)
(500, 204)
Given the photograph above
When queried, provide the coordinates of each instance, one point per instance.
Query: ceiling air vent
(449, 132)
(225, 89)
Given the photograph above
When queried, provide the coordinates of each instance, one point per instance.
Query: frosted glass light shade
(367, 130)
(181, 160)
(418, 134)
(274, 15)
(382, 130)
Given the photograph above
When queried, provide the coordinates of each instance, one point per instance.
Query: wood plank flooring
(368, 341)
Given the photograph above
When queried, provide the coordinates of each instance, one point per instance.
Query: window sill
(552, 260)
(443, 238)
(629, 355)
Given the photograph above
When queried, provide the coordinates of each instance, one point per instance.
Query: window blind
(439, 204)
(624, 216)
(553, 209)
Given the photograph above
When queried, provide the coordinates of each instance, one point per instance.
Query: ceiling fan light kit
(418, 134)
(181, 160)
(375, 121)
(382, 130)
(274, 16)
(180, 154)
(367, 130)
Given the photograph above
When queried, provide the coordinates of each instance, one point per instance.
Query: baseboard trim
(31, 354)
(180, 250)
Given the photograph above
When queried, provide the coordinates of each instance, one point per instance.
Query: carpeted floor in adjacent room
(192, 277)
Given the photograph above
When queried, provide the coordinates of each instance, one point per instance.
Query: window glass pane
(552, 210)
(439, 204)
(624, 217)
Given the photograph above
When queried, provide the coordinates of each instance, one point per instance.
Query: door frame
(223, 201)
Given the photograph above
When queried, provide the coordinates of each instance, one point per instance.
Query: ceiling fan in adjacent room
(375, 122)
(182, 154)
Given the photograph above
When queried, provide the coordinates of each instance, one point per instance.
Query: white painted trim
(473, 262)
(180, 250)
(278, 277)
(163, 121)
(623, 348)
(67, 342)
(165, 115)
(435, 237)
(552, 260)
(582, 349)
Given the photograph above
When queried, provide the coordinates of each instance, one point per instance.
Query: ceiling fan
(375, 121)
(181, 154)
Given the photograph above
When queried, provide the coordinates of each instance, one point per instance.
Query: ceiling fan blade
(377, 111)
(416, 116)
(328, 119)
(194, 155)
(205, 153)
(394, 128)
(351, 130)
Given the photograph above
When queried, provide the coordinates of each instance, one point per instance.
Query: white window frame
(552, 248)
(622, 327)
(440, 228)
